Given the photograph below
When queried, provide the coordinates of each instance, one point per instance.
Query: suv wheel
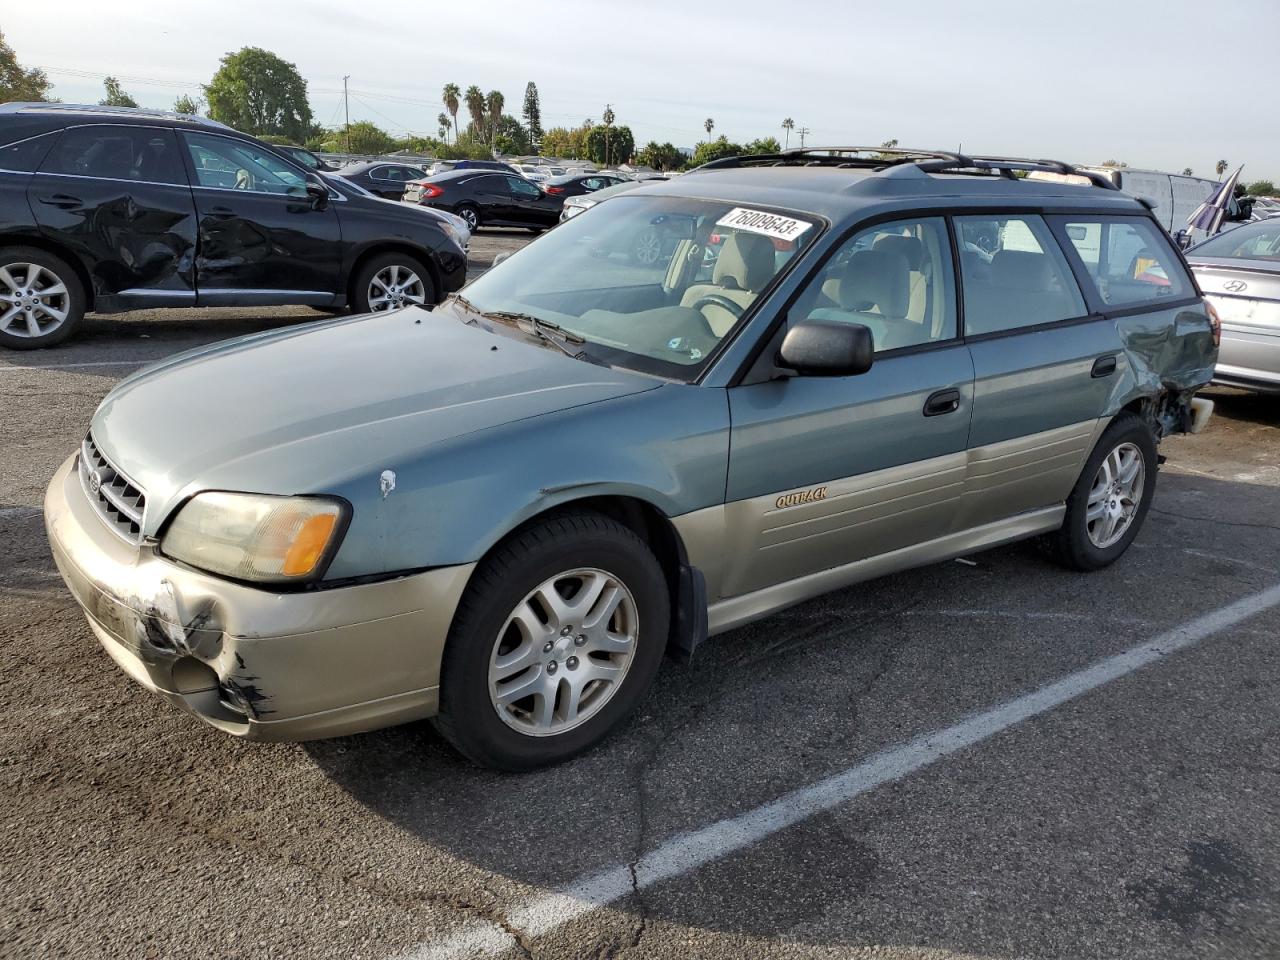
(41, 299)
(391, 281)
(556, 640)
(646, 248)
(1110, 500)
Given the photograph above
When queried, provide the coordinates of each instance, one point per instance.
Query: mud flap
(689, 626)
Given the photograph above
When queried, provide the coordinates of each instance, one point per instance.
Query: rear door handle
(1103, 367)
(63, 200)
(944, 401)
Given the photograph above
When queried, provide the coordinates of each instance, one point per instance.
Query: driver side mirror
(827, 348)
(318, 193)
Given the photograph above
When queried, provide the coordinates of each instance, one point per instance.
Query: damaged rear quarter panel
(1167, 351)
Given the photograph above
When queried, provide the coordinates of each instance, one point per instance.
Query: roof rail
(927, 161)
(100, 110)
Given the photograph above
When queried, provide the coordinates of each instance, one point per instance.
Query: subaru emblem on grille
(1235, 286)
(95, 481)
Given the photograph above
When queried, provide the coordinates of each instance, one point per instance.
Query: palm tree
(788, 125)
(443, 120)
(474, 99)
(450, 98)
(607, 117)
(494, 102)
(708, 125)
(1221, 168)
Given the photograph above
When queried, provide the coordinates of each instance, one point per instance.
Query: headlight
(256, 537)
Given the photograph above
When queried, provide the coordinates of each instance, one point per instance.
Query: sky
(1164, 84)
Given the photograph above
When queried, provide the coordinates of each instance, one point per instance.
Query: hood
(303, 410)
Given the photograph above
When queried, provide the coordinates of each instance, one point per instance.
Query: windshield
(652, 283)
(1253, 241)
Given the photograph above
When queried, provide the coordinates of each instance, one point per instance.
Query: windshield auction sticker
(769, 224)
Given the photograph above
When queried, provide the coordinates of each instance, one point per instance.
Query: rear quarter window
(1128, 259)
(25, 156)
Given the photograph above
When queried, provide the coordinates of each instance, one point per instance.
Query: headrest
(1020, 270)
(748, 259)
(911, 248)
(876, 278)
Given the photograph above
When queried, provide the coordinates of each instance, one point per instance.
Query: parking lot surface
(860, 776)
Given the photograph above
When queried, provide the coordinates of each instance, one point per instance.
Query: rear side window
(25, 155)
(1014, 275)
(116, 152)
(1128, 259)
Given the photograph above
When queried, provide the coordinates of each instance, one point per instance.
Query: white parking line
(685, 852)
(9, 367)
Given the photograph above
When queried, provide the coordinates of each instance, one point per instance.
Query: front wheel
(555, 642)
(1106, 508)
(41, 299)
(390, 281)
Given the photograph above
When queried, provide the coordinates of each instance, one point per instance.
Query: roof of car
(110, 114)
(840, 183)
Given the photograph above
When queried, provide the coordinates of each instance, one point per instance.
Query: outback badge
(804, 496)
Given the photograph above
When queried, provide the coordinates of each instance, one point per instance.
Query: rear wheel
(41, 299)
(1110, 500)
(555, 642)
(390, 281)
(470, 214)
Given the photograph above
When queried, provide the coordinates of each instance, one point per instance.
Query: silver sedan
(1239, 272)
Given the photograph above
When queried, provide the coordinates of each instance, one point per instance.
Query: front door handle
(1104, 367)
(944, 401)
(63, 200)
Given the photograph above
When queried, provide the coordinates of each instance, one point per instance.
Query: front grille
(119, 501)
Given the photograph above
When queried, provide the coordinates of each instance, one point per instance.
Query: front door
(262, 240)
(529, 207)
(824, 471)
(118, 196)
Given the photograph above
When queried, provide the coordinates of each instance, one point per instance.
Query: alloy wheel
(34, 301)
(648, 248)
(395, 286)
(469, 215)
(563, 652)
(1115, 495)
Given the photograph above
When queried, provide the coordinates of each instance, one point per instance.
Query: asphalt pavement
(992, 758)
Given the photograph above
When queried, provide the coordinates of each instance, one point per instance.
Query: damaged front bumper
(252, 662)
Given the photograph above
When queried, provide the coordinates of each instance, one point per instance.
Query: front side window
(236, 165)
(1253, 241)
(894, 278)
(652, 284)
(1014, 275)
(113, 152)
(523, 188)
(1127, 259)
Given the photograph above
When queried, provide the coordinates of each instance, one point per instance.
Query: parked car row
(491, 198)
(110, 209)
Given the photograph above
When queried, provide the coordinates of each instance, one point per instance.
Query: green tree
(511, 137)
(186, 104)
(16, 82)
(563, 142)
(367, 137)
(714, 150)
(762, 145)
(532, 114)
(660, 156)
(445, 124)
(1220, 168)
(607, 145)
(476, 107)
(788, 125)
(493, 103)
(449, 97)
(1262, 188)
(259, 93)
(116, 97)
(709, 125)
(1118, 164)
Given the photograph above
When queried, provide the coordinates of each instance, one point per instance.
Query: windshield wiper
(527, 323)
(461, 301)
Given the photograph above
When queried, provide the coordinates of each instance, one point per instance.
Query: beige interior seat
(912, 250)
(743, 269)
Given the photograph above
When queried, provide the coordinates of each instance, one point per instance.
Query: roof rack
(926, 161)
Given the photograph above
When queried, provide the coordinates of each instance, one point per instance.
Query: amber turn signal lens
(308, 546)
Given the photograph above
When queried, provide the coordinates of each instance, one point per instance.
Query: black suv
(111, 209)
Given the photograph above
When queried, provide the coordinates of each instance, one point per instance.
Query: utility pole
(346, 110)
(804, 132)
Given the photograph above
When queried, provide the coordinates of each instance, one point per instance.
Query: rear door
(825, 471)
(1044, 365)
(261, 239)
(118, 197)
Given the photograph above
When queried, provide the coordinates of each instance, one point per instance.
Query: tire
(646, 247)
(1074, 545)
(390, 267)
(469, 213)
(41, 299)
(525, 733)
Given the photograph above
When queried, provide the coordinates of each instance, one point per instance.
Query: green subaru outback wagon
(502, 512)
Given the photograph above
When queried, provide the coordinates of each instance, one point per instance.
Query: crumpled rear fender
(1169, 355)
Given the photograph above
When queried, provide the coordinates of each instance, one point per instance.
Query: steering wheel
(724, 303)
